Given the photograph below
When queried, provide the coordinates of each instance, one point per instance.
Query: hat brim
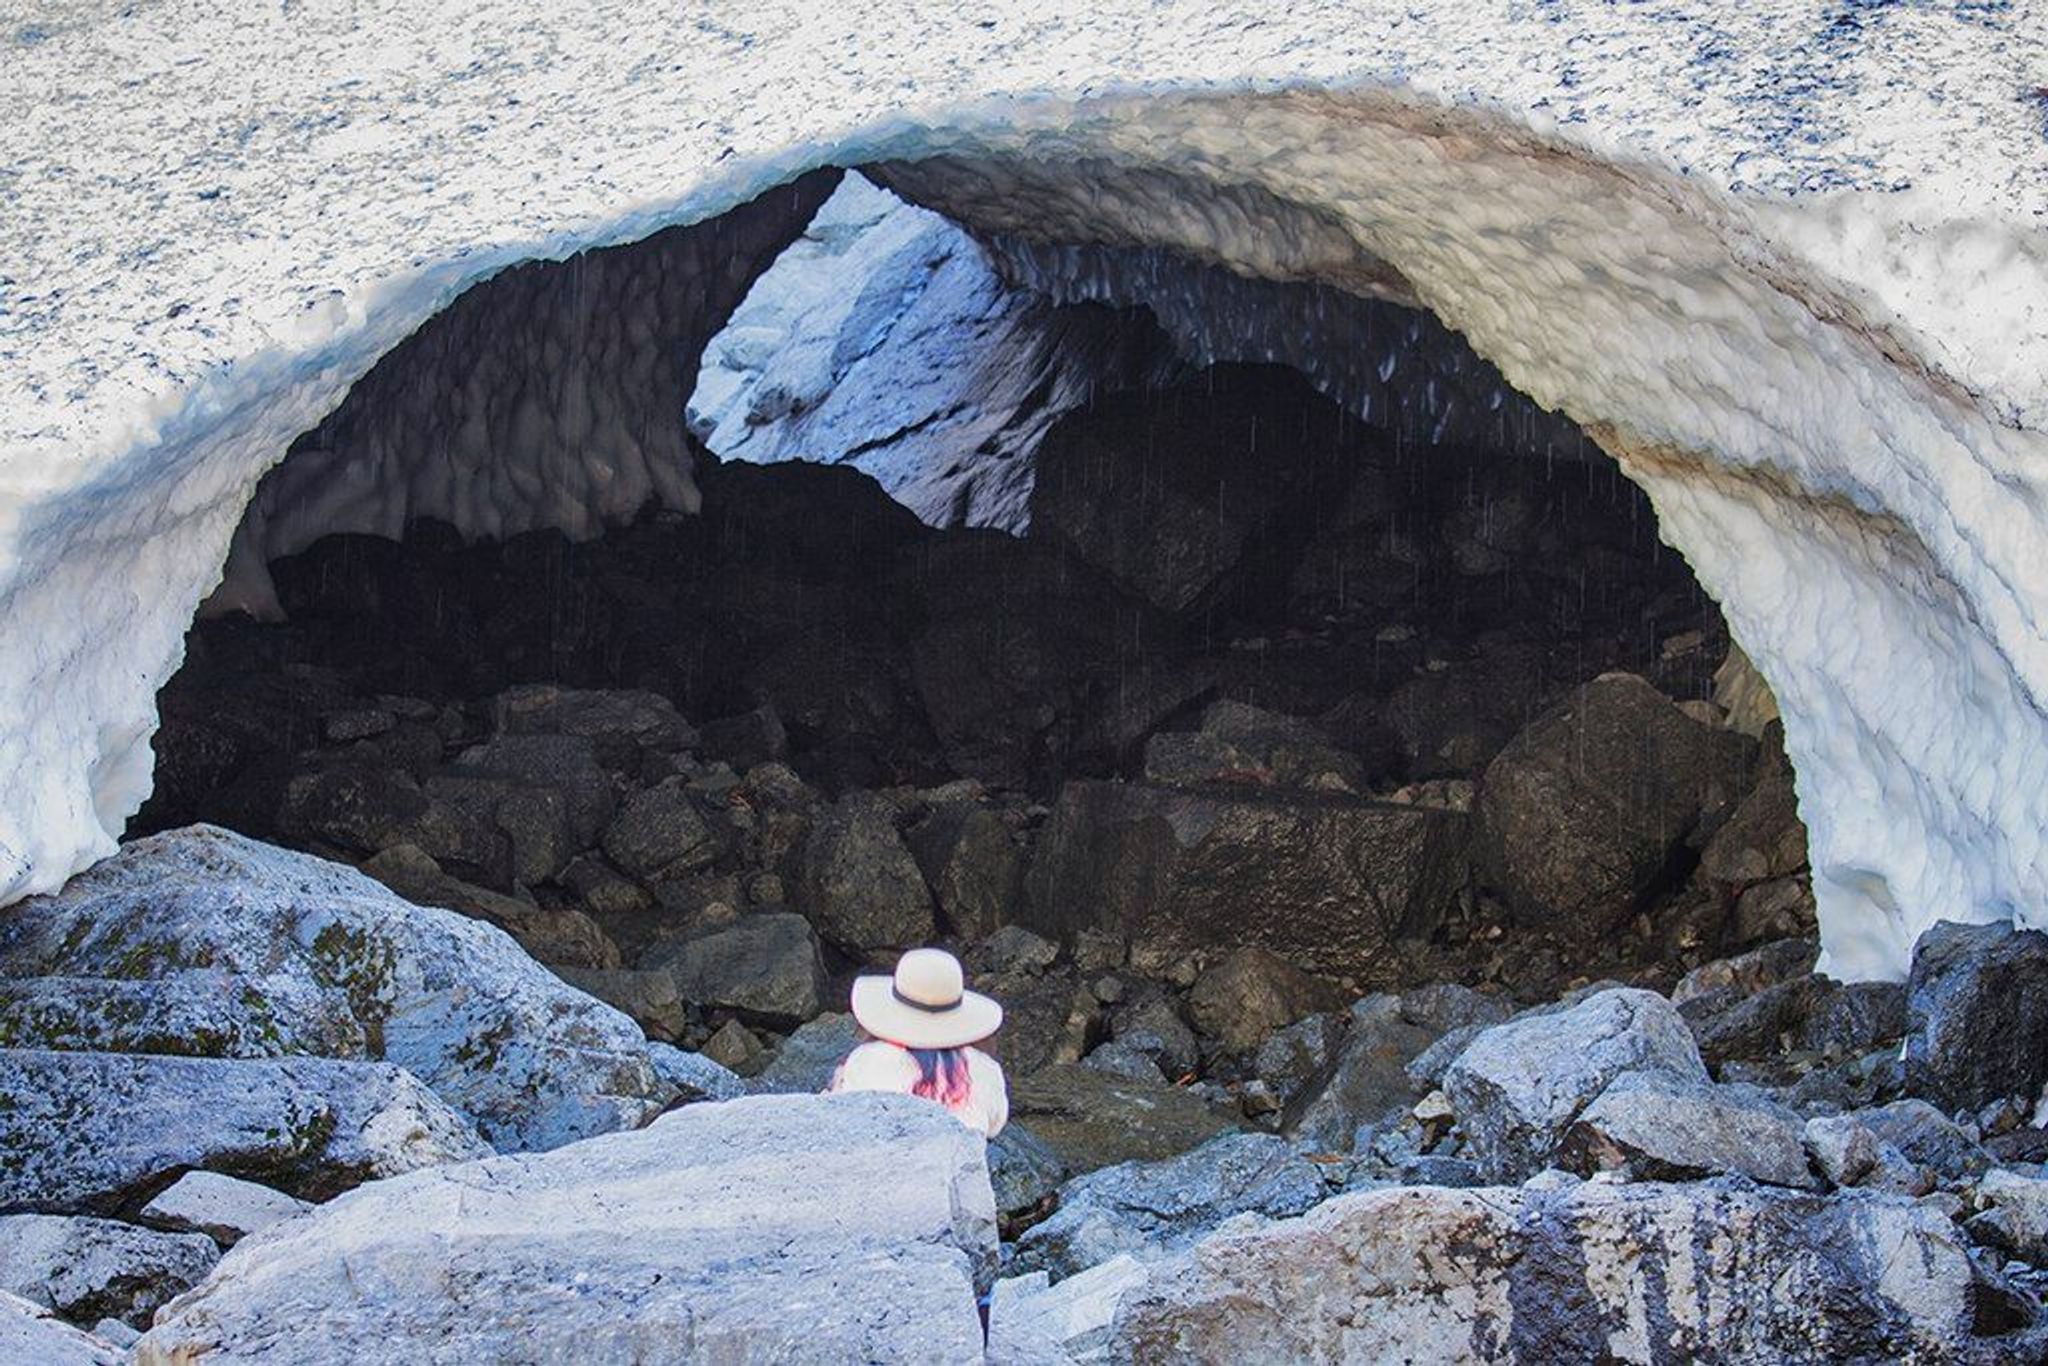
(882, 1015)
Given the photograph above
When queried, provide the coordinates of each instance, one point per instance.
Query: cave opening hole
(725, 611)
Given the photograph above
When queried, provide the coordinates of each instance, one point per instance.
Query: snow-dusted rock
(1583, 1271)
(1518, 1085)
(222, 1207)
(90, 1269)
(530, 1061)
(94, 1132)
(31, 1333)
(768, 1229)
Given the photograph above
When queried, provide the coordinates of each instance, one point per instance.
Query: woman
(923, 1019)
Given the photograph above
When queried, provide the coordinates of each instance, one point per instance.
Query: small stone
(733, 1045)
(1013, 949)
(224, 1208)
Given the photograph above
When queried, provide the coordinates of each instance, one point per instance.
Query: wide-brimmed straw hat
(926, 1004)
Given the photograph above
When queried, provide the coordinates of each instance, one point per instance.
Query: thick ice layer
(1782, 259)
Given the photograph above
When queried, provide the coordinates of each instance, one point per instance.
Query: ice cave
(1441, 601)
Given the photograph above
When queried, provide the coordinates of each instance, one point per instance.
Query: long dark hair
(942, 1074)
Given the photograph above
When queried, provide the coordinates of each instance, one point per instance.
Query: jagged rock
(647, 997)
(1762, 837)
(1151, 1024)
(1779, 909)
(564, 764)
(91, 1269)
(95, 1133)
(529, 1060)
(1810, 1014)
(1369, 1080)
(29, 1333)
(2015, 1215)
(1581, 814)
(196, 1012)
(1252, 993)
(1295, 1056)
(767, 966)
(694, 1076)
(1579, 1272)
(1654, 1127)
(603, 889)
(1518, 1085)
(1241, 744)
(1333, 882)
(1032, 1322)
(842, 1228)
(732, 1045)
(809, 1057)
(221, 1207)
(1023, 1170)
(1150, 1209)
(1093, 1120)
(1046, 1020)
(564, 937)
(750, 738)
(1977, 1002)
(659, 834)
(1926, 1137)
(1748, 973)
(859, 884)
(1013, 950)
(1841, 1148)
(972, 864)
(1121, 1058)
(621, 725)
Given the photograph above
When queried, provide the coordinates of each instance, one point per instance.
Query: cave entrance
(1196, 624)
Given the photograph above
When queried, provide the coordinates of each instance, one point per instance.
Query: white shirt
(883, 1066)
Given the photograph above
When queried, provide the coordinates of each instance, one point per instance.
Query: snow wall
(1782, 263)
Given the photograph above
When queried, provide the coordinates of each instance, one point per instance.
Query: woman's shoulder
(979, 1061)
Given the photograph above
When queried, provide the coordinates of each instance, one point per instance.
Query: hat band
(920, 1005)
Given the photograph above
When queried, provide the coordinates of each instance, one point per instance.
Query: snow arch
(1833, 400)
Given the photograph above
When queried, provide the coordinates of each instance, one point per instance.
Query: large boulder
(659, 833)
(1586, 1272)
(99, 1133)
(529, 1060)
(765, 966)
(859, 884)
(1977, 1008)
(973, 865)
(93, 1269)
(808, 1058)
(1373, 1075)
(1517, 1086)
(1251, 994)
(1654, 1127)
(841, 1228)
(1584, 812)
(1149, 1209)
(1243, 745)
(1327, 883)
(622, 725)
(1091, 1119)
(561, 936)
(31, 1333)
(203, 1012)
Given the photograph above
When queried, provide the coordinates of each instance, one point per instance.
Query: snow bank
(1782, 260)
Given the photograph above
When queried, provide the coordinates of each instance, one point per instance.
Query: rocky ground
(1382, 888)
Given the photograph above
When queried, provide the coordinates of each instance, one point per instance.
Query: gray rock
(694, 1076)
(29, 1333)
(1369, 1081)
(1977, 1001)
(2015, 1215)
(1581, 812)
(1426, 1070)
(1926, 1137)
(645, 996)
(1435, 1169)
(809, 1057)
(1094, 1120)
(1032, 1322)
(528, 1059)
(1518, 1085)
(859, 884)
(1252, 993)
(94, 1133)
(1334, 882)
(562, 937)
(197, 1012)
(1013, 950)
(1246, 745)
(973, 866)
(1842, 1149)
(621, 725)
(1122, 1058)
(1149, 1209)
(733, 1045)
(1748, 973)
(841, 1228)
(1293, 1057)
(91, 1269)
(1151, 1023)
(659, 834)
(223, 1208)
(1046, 1020)
(1655, 1127)
(1589, 1271)
(567, 764)
(603, 889)
(1023, 1170)
(1804, 1014)
(766, 966)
